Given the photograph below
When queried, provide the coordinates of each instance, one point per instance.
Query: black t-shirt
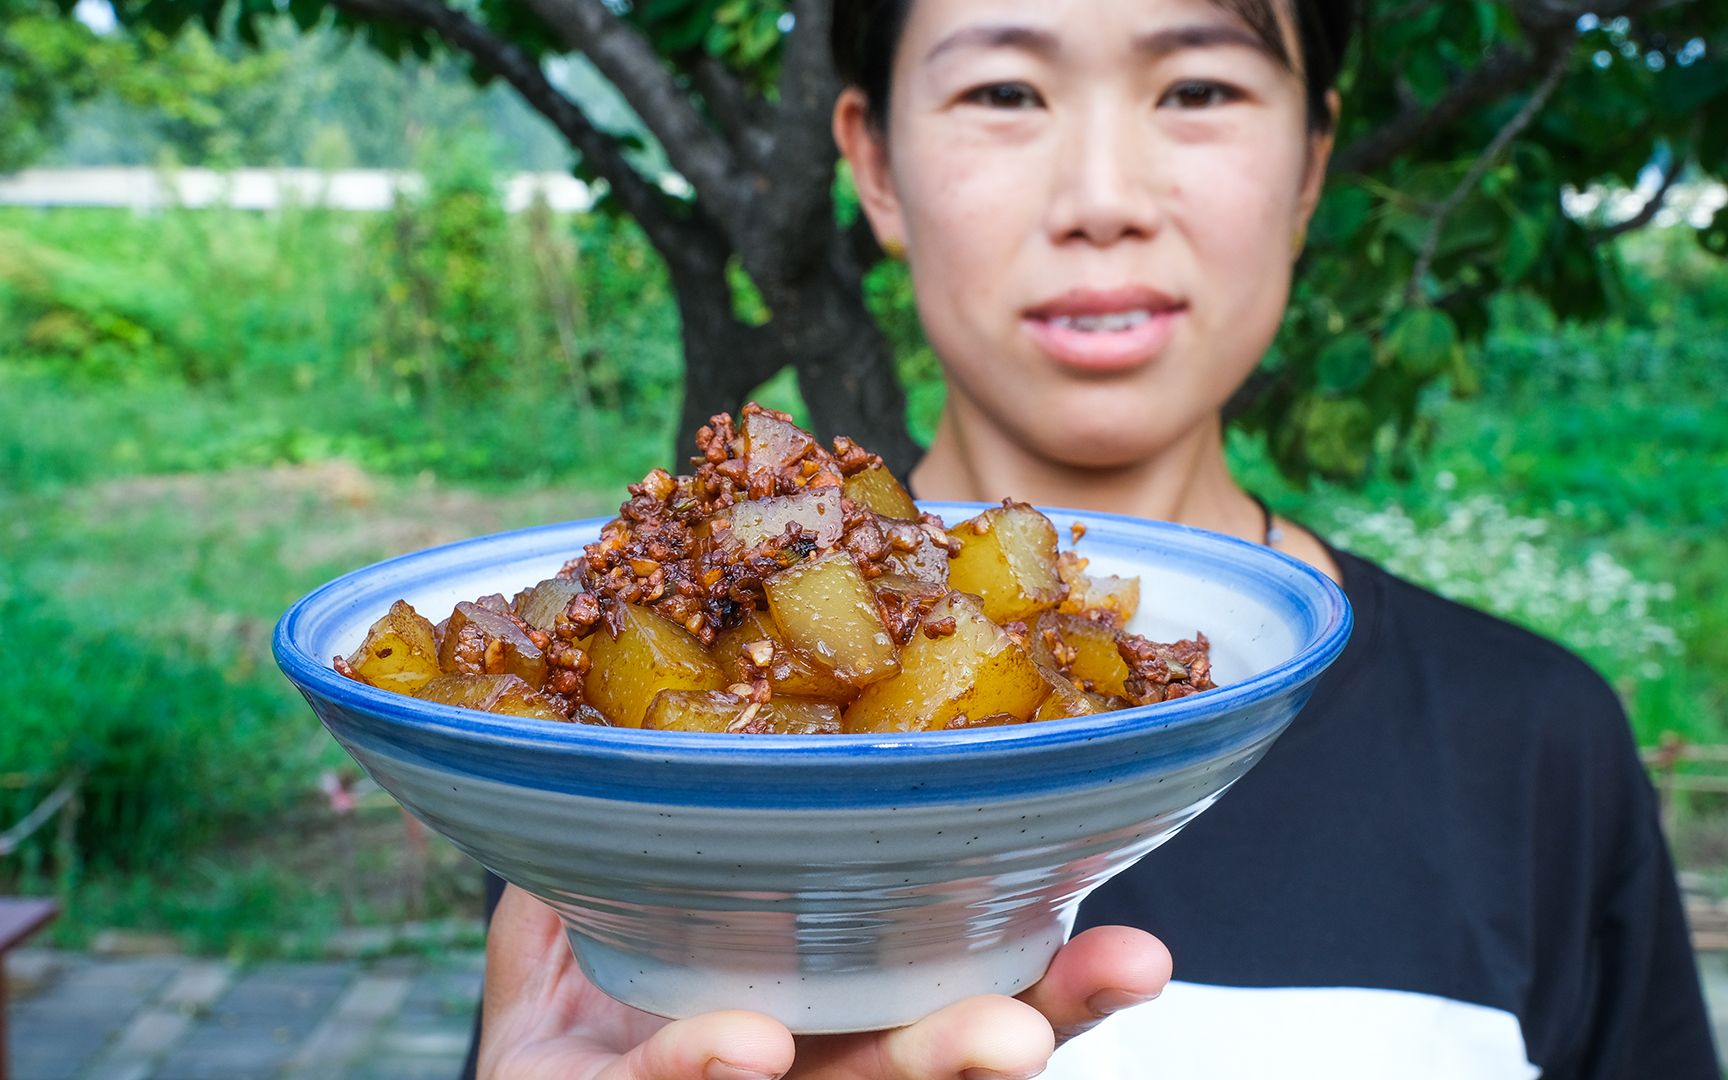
(1448, 866)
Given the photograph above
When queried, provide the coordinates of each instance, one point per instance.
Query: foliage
(1463, 123)
(442, 253)
(1409, 254)
(357, 314)
(146, 606)
(158, 736)
(43, 67)
(1485, 556)
(1580, 493)
(190, 86)
(316, 99)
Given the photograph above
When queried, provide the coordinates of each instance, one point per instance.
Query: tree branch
(1408, 11)
(732, 108)
(627, 60)
(1549, 24)
(1505, 70)
(504, 60)
(1646, 213)
(1478, 169)
(793, 226)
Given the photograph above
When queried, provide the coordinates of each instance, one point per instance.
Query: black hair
(866, 34)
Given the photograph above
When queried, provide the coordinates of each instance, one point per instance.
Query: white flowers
(1482, 555)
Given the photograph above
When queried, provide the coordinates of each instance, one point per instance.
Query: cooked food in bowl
(786, 587)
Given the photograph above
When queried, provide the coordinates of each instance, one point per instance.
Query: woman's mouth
(1104, 330)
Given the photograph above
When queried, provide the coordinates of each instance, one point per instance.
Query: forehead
(938, 28)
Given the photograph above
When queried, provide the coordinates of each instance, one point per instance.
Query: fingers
(981, 1038)
(1104, 970)
(732, 1045)
(544, 1021)
(539, 1013)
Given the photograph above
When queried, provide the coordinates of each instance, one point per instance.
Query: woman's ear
(1319, 157)
(864, 145)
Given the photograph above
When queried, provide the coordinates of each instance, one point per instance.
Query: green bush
(441, 336)
(170, 745)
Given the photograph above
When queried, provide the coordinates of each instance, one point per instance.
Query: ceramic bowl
(837, 883)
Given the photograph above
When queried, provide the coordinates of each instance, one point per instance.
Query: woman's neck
(1188, 481)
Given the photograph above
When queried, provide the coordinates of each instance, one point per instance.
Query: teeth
(1113, 323)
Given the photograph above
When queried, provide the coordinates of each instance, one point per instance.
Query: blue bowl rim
(317, 678)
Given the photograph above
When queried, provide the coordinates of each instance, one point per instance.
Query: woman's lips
(1104, 343)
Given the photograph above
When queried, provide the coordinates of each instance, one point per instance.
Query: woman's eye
(1013, 95)
(1198, 94)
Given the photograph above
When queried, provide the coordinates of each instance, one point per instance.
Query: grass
(201, 340)
(204, 415)
(293, 889)
(148, 599)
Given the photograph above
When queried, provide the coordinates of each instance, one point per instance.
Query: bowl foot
(822, 993)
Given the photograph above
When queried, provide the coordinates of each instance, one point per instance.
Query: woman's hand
(545, 1021)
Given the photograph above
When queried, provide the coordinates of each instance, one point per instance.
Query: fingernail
(725, 1070)
(1074, 1031)
(1105, 1002)
(992, 1074)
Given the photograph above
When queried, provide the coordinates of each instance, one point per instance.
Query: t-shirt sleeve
(1650, 1014)
(1644, 1005)
(1615, 993)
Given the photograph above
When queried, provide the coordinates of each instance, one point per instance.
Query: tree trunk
(846, 371)
(820, 327)
(723, 359)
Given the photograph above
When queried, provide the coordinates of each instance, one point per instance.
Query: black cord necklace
(1270, 532)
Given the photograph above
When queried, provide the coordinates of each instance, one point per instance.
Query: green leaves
(1365, 339)
(744, 35)
(1341, 214)
(1333, 436)
(1524, 242)
(1345, 363)
(1422, 342)
(745, 32)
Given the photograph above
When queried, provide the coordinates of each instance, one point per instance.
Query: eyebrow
(1155, 45)
(1161, 43)
(996, 36)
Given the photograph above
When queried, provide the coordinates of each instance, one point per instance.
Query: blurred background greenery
(206, 412)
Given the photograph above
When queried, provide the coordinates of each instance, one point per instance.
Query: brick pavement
(79, 1017)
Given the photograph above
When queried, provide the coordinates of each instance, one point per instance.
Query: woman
(1433, 873)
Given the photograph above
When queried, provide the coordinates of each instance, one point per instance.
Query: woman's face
(1098, 200)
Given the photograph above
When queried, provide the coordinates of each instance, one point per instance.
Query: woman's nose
(1105, 187)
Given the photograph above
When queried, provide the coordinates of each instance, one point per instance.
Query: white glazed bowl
(837, 883)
